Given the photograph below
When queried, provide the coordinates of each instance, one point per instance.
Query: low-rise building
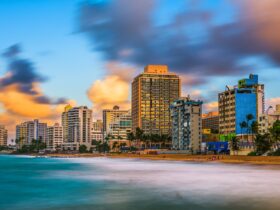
(121, 126)
(267, 120)
(210, 121)
(186, 125)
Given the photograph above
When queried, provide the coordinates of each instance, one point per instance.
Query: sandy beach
(269, 160)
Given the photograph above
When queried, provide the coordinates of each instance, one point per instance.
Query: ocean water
(120, 184)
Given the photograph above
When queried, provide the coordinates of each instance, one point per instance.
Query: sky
(86, 52)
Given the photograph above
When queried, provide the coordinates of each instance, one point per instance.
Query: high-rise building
(3, 136)
(210, 121)
(64, 122)
(55, 137)
(28, 131)
(79, 123)
(97, 130)
(186, 125)
(21, 134)
(153, 91)
(111, 116)
(235, 103)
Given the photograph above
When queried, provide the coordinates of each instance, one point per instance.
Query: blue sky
(47, 31)
(88, 48)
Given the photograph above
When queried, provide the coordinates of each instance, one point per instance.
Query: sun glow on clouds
(18, 107)
(21, 97)
(113, 89)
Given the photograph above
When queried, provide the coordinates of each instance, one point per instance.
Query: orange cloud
(113, 89)
(18, 106)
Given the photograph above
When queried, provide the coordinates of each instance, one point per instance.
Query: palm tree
(130, 137)
(115, 145)
(255, 127)
(242, 126)
(234, 144)
(139, 134)
(249, 117)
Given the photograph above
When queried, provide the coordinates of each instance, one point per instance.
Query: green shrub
(252, 154)
(276, 153)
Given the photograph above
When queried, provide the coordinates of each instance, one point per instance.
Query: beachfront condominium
(79, 124)
(64, 121)
(121, 126)
(55, 137)
(186, 125)
(97, 131)
(235, 103)
(3, 136)
(111, 117)
(153, 91)
(28, 131)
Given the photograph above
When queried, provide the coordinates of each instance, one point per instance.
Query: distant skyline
(87, 52)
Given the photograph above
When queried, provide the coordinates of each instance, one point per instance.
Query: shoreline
(258, 160)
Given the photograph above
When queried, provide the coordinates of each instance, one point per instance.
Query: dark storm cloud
(47, 100)
(124, 30)
(12, 51)
(23, 74)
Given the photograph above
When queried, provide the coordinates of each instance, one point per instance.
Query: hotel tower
(153, 91)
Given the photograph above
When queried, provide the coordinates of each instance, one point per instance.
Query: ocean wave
(200, 182)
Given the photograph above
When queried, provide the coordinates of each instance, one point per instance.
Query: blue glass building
(235, 103)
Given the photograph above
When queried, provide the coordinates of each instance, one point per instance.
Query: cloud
(19, 106)
(192, 80)
(113, 89)
(272, 102)
(12, 51)
(210, 107)
(191, 41)
(21, 97)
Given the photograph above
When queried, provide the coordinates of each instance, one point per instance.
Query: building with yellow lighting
(153, 91)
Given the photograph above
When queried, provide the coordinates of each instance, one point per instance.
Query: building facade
(153, 91)
(55, 137)
(97, 131)
(186, 125)
(235, 103)
(3, 136)
(267, 120)
(110, 116)
(211, 121)
(64, 122)
(79, 123)
(121, 126)
(28, 131)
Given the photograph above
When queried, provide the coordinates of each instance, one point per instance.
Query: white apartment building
(55, 137)
(121, 126)
(110, 116)
(79, 121)
(31, 130)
